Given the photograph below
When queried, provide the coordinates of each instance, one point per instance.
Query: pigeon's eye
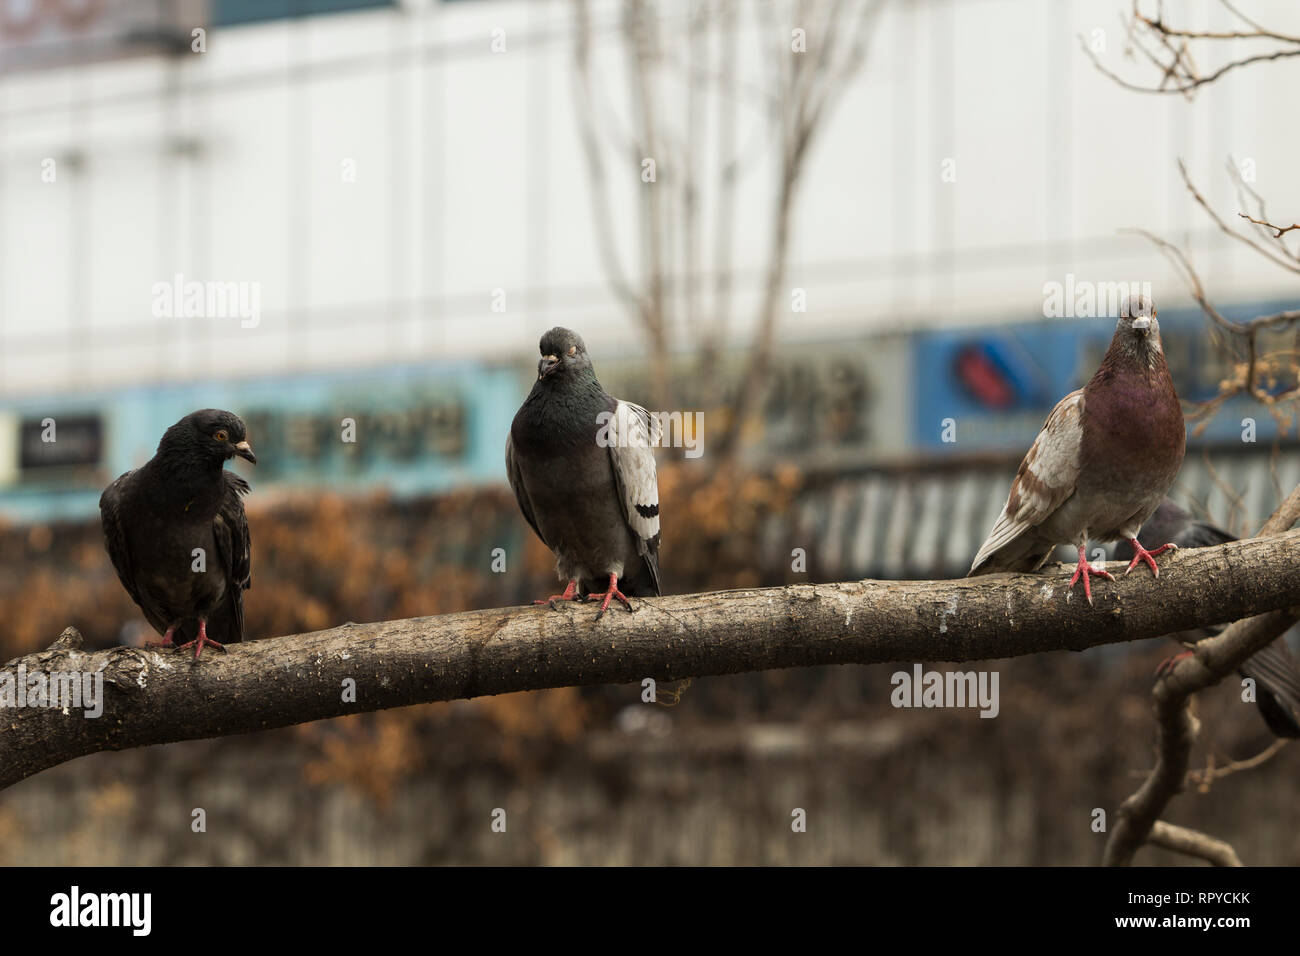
(573, 350)
(221, 435)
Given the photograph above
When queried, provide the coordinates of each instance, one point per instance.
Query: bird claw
(201, 641)
(570, 594)
(1084, 570)
(1142, 554)
(1169, 663)
(206, 642)
(612, 593)
(166, 641)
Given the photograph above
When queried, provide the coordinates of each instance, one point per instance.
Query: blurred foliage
(713, 523)
(590, 774)
(708, 782)
(322, 559)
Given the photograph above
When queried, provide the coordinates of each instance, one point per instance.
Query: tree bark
(153, 697)
(1191, 843)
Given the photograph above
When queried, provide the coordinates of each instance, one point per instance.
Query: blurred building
(361, 214)
(318, 210)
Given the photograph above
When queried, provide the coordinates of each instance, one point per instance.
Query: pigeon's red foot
(166, 641)
(1084, 569)
(613, 592)
(1142, 554)
(201, 640)
(570, 594)
(1169, 663)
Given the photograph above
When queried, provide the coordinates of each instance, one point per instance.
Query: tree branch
(1178, 74)
(1176, 727)
(151, 697)
(1279, 231)
(1203, 779)
(1193, 843)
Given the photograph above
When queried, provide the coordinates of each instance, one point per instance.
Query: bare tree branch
(1266, 252)
(641, 37)
(1178, 72)
(799, 91)
(152, 697)
(811, 82)
(1203, 779)
(1169, 49)
(1193, 843)
(1247, 383)
(714, 333)
(595, 166)
(1279, 232)
(1176, 726)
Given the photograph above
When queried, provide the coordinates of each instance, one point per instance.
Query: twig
(1227, 229)
(1178, 72)
(1281, 230)
(1204, 778)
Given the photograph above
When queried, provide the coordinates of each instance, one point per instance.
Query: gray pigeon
(582, 465)
(1106, 456)
(177, 534)
(1273, 669)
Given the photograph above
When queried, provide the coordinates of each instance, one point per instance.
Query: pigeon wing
(119, 552)
(633, 435)
(1201, 534)
(234, 547)
(1046, 477)
(516, 478)
(1274, 671)
(231, 526)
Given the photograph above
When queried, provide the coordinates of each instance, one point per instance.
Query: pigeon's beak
(1142, 324)
(547, 365)
(245, 451)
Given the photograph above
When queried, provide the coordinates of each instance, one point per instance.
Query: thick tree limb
(154, 697)
(1176, 727)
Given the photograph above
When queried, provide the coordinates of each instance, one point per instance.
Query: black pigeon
(1277, 681)
(176, 531)
(582, 465)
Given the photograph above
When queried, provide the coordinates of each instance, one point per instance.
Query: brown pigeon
(1277, 680)
(581, 463)
(1102, 463)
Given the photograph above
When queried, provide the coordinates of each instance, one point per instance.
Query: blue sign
(995, 385)
(407, 429)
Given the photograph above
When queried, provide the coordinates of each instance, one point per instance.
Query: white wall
(470, 177)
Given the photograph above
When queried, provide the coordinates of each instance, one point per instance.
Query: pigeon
(176, 532)
(1102, 462)
(1273, 669)
(581, 463)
